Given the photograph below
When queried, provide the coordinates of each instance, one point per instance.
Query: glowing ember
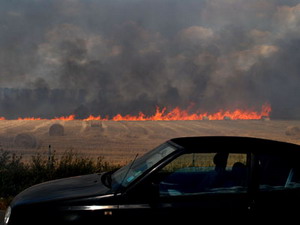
(175, 114)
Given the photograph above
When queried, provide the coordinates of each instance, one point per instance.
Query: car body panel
(67, 188)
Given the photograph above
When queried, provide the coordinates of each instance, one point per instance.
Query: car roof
(234, 144)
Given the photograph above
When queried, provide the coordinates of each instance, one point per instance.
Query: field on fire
(120, 141)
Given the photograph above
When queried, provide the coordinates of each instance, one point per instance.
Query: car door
(278, 195)
(278, 186)
(206, 185)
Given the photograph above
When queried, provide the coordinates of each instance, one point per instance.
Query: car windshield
(127, 174)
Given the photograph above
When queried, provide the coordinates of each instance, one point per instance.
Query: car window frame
(257, 172)
(148, 179)
(224, 190)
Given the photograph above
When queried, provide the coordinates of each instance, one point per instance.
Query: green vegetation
(17, 175)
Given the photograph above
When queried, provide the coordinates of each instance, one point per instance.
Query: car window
(278, 172)
(127, 174)
(204, 172)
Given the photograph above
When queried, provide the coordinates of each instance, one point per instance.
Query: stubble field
(120, 141)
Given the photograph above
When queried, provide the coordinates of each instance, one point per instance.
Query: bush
(15, 175)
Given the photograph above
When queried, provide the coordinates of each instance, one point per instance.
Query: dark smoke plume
(105, 57)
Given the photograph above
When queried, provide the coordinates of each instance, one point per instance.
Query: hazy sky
(104, 57)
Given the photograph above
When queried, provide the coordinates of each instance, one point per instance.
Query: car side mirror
(153, 194)
(154, 190)
(148, 192)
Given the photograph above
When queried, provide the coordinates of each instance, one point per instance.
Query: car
(203, 178)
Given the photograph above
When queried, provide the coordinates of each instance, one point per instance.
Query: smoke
(105, 57)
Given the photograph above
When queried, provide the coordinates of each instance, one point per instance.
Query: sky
(104, 57)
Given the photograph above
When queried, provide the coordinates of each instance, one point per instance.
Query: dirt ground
(120, 141)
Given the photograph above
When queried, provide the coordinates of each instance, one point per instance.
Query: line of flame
(175, 114)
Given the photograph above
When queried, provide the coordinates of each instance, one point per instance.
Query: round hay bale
(292, 131)
(265, 118)
(25, 140)
(95, 123)
(57, 130)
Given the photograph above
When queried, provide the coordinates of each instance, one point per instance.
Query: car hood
(67, 188)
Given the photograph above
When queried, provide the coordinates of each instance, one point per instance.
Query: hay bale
(57, 130)
(95, 123)
(25, 140)
(265, 118)
(292, 131)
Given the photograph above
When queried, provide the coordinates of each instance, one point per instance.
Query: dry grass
(119, 141)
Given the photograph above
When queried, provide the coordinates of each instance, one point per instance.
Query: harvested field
(120, 141)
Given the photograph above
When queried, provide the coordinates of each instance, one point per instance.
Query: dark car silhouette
(213, 178)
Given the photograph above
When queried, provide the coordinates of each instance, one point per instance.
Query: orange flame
(66, 118)
(175, 114)
(30, 118)
(178, 114)
(91, 117)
